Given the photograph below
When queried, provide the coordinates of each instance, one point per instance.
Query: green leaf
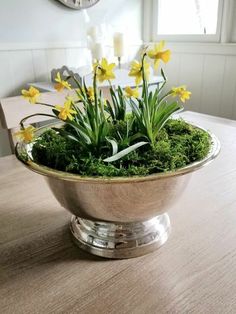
(114, 145)
(163, 75)
(66, 134)
(125, 152)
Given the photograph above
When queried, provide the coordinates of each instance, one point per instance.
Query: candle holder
(118, 41)
(119, 62)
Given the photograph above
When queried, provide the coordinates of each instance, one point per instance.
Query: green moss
(177, 145)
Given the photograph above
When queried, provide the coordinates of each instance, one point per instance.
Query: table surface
(42, 271)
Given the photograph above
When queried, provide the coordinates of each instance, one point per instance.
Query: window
(187, 17)
(186, 20)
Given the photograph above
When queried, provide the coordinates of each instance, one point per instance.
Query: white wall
(209, 71)
(233, 30)
(39, 35)
(48, 21)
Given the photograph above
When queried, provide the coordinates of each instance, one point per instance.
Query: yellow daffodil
(157, 54)
(181, 92)
(136, 71)
(66, 111)
(90, 93)
(104, 70)
(26, 134)
(61, 84)
(131, 92)
(31, 95)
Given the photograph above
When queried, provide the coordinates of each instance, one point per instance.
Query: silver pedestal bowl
(118, 217)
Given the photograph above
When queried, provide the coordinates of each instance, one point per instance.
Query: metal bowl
(118, 217)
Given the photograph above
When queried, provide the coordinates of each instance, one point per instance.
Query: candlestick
(119, 62)
(118, 41)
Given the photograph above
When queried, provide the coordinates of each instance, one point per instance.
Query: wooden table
(42, 271)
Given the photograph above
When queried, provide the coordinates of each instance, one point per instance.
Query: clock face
(79, 4)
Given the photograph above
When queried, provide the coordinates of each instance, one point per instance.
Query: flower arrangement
(101, 137)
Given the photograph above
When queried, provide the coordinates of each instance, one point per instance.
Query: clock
(79, 4)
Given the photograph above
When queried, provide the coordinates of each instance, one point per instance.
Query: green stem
(162, 86)
(43, 104)
(109, 81)
(95, 86)
(144, 79)
(36, 114)
(165, 96)
(76, 81)
(96, 106)
(145, 90)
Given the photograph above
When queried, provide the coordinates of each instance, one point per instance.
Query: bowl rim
(62, 175)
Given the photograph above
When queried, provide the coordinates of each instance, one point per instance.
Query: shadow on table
(46, 243)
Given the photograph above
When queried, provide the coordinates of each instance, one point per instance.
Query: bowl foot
(120, 240)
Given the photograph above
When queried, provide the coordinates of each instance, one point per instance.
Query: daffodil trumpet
(61, 84)
(26, 134)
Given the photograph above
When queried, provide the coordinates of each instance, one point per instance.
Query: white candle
(119, 46)
(93, 33)
(97, 51)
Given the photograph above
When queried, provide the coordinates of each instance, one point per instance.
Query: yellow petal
(58, 77)
(156, 64)
(59, 87)
(26, 134)
(138, 80)
(165, 56)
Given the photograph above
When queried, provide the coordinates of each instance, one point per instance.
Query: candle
(97, 51)
(93, 33)
(118, 41)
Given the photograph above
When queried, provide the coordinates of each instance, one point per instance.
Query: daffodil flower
(136, 71)
(31, 95)
(66, 112)
(61, 84)
(89, 92)
(157, 54)
(26, 134)
(104, 70)
(181, 92)
(131, 92)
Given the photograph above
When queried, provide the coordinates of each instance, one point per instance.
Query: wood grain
(41, 271)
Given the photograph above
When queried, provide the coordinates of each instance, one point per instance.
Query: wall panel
(191, 74)
(172, 70)
(40, 65)
(21, 69)
(6, 83)
(212, 84)
(228, 95)
(55, 58)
